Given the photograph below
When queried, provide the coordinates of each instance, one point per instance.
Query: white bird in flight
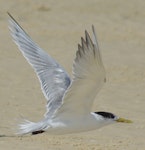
(69, 101)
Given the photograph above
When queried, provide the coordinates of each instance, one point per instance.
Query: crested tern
(69, 101)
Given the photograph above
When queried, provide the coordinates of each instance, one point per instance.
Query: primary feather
(53, 78)
(88, 78)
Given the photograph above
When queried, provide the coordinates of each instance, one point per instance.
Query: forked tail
(31, 127)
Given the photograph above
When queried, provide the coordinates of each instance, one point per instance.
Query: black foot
(37, 132)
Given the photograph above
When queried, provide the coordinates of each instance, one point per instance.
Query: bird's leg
(37, 132)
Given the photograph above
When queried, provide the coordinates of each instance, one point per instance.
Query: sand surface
(57, 25)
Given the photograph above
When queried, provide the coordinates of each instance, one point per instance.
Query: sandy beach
(57, 27)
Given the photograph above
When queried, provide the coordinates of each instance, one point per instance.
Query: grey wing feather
(53, 78)
(88, 78)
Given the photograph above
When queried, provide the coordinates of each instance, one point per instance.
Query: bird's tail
(30, 127)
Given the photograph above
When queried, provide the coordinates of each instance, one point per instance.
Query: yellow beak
(124, 120)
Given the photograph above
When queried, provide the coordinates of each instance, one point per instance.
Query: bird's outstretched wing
(53, 78)
(88, 78)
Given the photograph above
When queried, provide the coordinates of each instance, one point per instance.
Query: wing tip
(11, 18)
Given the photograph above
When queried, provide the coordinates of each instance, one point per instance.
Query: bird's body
(62, 125)
(69, 101)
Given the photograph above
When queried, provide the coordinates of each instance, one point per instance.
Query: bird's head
(110, 118)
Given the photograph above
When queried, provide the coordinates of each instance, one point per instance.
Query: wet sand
(57, 27)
